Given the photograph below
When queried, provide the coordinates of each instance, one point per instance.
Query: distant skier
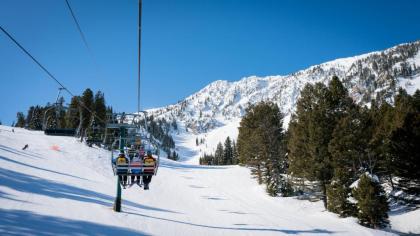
(25, 147)
(122, 161)
(149, 161)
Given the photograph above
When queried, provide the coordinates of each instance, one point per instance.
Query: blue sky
(186, 44)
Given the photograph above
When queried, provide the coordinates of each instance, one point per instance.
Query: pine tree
(261, 145)
(35, 118)
(318, 111)
(235, 155)
(50, 116)
(372, 203)
(97, 123)
(249, 142)
(174, 156)
(350, 149)
(29, 116)
(382, 117)
(218, 155)
(73, 113)
(20, 120)
(85, 108)
(404, 142)
(277, 166)
(61, 119)
(100, 109)
(338, 193)
(227, 152)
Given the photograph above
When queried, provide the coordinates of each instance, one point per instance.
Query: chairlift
(133, 139)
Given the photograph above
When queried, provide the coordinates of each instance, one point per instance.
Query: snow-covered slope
(59, 186)
(222, 103)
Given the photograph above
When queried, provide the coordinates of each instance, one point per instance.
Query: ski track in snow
(71, 192)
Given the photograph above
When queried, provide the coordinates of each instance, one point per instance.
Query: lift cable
(78, 26)
(46, 71)
(98, 71)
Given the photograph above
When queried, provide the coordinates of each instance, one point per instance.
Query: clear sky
(186, 44)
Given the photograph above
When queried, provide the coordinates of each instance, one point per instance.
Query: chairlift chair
(136, 136)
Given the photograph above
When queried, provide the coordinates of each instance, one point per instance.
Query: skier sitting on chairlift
(131, 152)
(149, 161)
(137, 161)
(122, 174)
(141, 152)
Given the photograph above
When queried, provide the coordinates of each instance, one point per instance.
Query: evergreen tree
(338, 193)
(73, 114)
(350, 149)
(249, 142)
(97, 124)
(61, 119)
(219, 154)
(85, 109)
(207, 159)
(35, 118)
(382, 117)
(261, 145)
(318, 111)
(20, 120)
(29, 116)
(235, 155)
(404, 142)
(372, 203)
(50, 116)
(174, 156)
(100, 109)
(227, 152)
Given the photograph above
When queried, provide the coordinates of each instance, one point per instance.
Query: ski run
(59, 186)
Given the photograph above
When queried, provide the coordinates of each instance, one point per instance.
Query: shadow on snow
(17, 222)
(285, 231)
(20, 153)
(35, 185)
(178, 165)
(39, 168)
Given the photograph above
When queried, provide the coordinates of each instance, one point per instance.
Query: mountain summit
(375, 75)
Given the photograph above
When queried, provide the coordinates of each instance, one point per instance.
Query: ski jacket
(149, 165)
(122, 161)
(149, 161)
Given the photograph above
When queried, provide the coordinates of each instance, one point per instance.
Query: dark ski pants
(123, 179)
(133, 178)
(147, 179)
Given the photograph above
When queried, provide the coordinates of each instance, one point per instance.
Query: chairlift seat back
(136, 168)
(149, 165)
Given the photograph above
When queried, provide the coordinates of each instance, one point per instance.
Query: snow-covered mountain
(368, 76)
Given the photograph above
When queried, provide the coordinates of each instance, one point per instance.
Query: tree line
(225, 154)
(87, 114)
(347, 150)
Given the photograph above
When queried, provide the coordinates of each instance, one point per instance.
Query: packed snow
(59, 186)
